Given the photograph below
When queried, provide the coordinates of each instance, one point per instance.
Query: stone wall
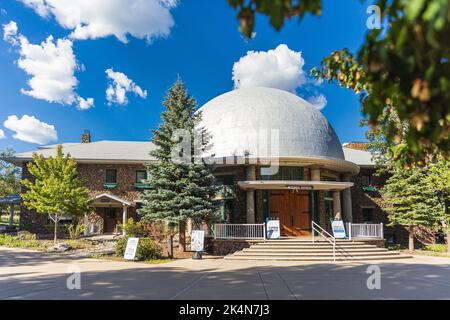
(94, 176)
(225, 247)
(372, 199)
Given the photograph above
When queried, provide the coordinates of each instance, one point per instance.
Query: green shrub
(147, 249)
(14, 242)
(76, 231)
(436, 247)
(143, 229)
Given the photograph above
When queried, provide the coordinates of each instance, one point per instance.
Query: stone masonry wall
(94, 176)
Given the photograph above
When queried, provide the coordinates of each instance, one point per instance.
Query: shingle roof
(100, 151)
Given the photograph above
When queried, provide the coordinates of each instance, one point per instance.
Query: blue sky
(202, 47)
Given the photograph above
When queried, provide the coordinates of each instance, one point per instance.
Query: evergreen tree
(181, 189)
(56, 190)
(439, 181)
(9, 175)
(410, 201)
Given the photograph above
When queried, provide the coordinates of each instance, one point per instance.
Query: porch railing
(364, 230)
(324, 234)
(240, 231)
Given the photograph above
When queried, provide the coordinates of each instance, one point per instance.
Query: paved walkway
(30, 275)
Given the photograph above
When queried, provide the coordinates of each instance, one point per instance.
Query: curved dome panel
(240, 124)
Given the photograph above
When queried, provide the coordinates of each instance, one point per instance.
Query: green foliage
(441, 248)
(147, 249)
(144, 229)
(9, 175)
(75, 231)
(410, 201)
(405, 67)
(56, 188)
(438, 178)
(276, 10)
(181, 190)
(15, 242)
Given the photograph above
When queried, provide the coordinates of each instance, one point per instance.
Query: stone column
(347, 203)
(124, 218)
(337, 205)
(315, 174)
(251, 176)
(11, 215)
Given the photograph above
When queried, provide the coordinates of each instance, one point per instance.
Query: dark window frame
(115, 176)
(136, 175)
(366, 180)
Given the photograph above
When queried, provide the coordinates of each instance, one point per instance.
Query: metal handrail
(322, 231)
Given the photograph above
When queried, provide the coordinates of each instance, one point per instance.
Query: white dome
(236, 119)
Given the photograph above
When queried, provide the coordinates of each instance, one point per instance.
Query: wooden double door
(292, 208)
(111, 218)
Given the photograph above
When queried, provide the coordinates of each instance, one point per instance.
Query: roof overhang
(109, 200)
(295, 185)
(20, 160)
(337, 165)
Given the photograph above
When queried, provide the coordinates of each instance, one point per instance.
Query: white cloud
(51, 66)
(319, 102)
(121, 84)
(10, 32)
(280, 68)
(84, 104)
(30, 129)
(2, 134)
(143, 19)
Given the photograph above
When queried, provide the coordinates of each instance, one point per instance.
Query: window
(141, 176)
(284, 173)
(225, 180)
(367, 214)
(367, 180)
(111, 176)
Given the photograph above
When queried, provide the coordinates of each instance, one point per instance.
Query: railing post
(381, 231)
(350, 230)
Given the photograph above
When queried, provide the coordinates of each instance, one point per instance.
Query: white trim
(283, 184)
(115, 198)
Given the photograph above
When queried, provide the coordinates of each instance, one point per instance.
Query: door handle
(292, 221)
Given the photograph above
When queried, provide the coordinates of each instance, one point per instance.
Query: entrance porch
(110, 212)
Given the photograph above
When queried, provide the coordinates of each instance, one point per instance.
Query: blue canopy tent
(11, 201)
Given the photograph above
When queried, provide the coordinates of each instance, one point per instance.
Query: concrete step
(313, 254)
(312, 246)
(257, 249)
(320, 259)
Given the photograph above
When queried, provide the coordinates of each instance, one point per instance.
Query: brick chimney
(357, 145)
(86, 137)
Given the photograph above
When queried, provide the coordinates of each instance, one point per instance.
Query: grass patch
(7, 240)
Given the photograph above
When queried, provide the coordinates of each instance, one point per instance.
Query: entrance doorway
(111, 220)
(293, 210)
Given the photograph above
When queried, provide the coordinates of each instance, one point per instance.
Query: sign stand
(130, 250)
(197, 243)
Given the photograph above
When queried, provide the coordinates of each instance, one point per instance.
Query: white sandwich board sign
(273, 229)
(197, 240)
(338, 229)
(130, 250)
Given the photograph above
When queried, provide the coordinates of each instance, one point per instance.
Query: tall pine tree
(410, 200)
(181, 190)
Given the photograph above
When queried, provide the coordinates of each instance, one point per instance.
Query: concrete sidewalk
(26, 274)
